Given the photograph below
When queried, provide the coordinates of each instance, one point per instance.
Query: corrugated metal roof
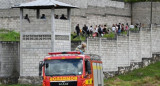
(44, 4)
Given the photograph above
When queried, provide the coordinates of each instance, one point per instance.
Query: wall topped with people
(126, 50)
(93, 12)
(90, 12)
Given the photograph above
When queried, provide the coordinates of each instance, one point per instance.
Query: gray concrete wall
(155, 39)
(9, 59)
(35, 45)
(36, 42)
(146, 43)
(126, 51)
(142, 10)
(135, 47)
(106, 49)
(122, 51)
(108, 53)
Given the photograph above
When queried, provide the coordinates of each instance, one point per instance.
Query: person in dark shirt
(27, 18)
(63, 17)
(99, 30)
(43, 16)
(85, 28)
(104, 29)
(77, 31)
(119, 29)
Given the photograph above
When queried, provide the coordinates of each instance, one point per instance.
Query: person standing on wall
(77, 31)
(104, 29)
(99, 31)
(84, 30)
(119, 28)
(91, 30)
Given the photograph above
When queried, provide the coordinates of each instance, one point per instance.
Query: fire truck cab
(71, 69)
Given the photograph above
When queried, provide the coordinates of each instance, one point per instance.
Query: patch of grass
(134, 29)
(79, 38)
(110, 35)
(148, 76)
(124, 32)
(6, 35)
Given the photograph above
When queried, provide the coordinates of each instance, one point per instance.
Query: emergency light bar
(55, 53)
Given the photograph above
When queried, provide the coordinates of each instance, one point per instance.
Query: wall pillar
(21, 19)
(38, 13)
(52, 29)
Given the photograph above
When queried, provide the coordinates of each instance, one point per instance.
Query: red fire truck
(71, 69)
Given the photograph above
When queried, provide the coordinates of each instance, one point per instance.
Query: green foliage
(134, 29)
(124, 32)
(79, 38)
(110, 35)
(148, 76)
(6, 35)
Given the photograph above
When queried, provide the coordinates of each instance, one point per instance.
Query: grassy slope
(148, 76)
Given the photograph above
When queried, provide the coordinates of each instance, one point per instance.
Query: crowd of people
(100, 30)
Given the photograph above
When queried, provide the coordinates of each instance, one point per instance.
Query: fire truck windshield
(63, 67)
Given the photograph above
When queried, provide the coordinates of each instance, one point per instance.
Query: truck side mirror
(88, 66)
(41, 64)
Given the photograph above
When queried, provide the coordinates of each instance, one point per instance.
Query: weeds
(6, 35)
(148, 76)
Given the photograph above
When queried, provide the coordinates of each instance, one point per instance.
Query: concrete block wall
(155, 39)
(9, 59)
(35, 45)
(93, 46)
(127, 51)
(80, 3)
(98, 3)
(142, 10)
(135, 47)
(36, 39)
(36, 25)
(106, 49)
(146, 43)
(123, 51)
(108, 53)
(62, 35)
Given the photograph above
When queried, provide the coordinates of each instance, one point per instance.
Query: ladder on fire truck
(93, 56)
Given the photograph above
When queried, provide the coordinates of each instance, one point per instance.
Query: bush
(79, 38)
(6, 35)
(110, 35)
(134, 29)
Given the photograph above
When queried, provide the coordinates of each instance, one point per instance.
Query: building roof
(44, 4)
